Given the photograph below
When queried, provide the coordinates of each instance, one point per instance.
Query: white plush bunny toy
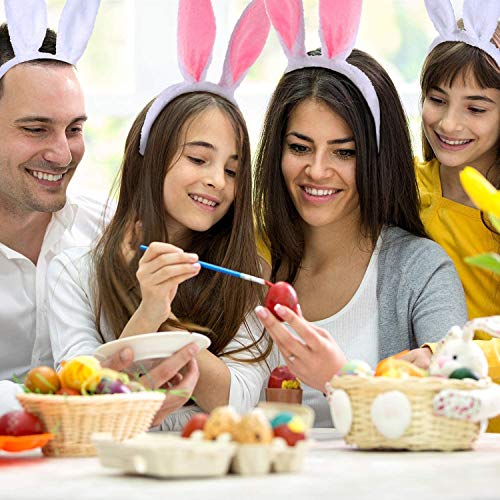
(457, 350)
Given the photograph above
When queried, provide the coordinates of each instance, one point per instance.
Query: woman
(340, 215)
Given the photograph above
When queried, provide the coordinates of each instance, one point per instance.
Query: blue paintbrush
(224, 270)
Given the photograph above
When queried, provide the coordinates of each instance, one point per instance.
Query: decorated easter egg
(195, 423)
(461, 373)
(220, 421)
(77, 370)
(108, 386)
(20, 423)
(398, 368)
(284, 294)
(42, 380)
(291, 432)
(282, 378)
(356, 367)
(66, 391)
(253, 428)
(281, 418)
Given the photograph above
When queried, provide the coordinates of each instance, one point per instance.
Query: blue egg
(281, 418)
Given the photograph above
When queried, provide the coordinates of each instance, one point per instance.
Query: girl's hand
(315, 357)
(419, 357)
(162, 268)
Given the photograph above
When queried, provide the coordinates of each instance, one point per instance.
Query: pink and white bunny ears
(339, 23)
(195, 38)
(27, 22)
(480, 21)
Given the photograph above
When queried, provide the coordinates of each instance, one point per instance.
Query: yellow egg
(76, 371)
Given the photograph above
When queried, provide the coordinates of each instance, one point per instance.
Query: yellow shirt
(461, 232)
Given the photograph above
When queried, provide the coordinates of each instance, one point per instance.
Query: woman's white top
(355, 329)
(73, 332)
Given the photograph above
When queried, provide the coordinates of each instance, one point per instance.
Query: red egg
(291, 438)
(284, 294)
(196, 423)
(278, 375)
(20, 423)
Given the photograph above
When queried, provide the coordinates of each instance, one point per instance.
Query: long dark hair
(216, 302)
(385, 180)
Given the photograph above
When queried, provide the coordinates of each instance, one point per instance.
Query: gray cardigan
(419, 293)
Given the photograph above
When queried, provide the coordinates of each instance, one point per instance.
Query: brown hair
(449, 61)
(385, 180)
(216, 302)
(7, 52)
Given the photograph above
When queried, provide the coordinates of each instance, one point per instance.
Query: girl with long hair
(460, 85)
(185, 191)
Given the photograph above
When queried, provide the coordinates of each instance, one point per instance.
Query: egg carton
(165, 455)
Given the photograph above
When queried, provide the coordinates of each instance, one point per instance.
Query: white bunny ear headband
(339, 23)
(480, 22)
(195, 38)
(27, 23)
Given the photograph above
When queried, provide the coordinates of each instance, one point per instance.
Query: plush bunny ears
(27, 22)
(195, 38)
(480, 22)
(339, 23)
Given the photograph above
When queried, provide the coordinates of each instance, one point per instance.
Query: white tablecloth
(332, 471)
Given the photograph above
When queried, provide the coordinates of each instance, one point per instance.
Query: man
(42, 116)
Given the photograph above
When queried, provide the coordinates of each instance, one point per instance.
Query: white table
(332, 471)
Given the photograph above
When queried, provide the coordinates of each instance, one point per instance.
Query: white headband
(339, 23)
(27, 23)
(480, 22)
(195, 41)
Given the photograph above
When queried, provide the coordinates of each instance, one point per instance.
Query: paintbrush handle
(224, 270)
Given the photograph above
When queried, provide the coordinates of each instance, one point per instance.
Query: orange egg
(66, 391)
(398, 368)
(42, 380)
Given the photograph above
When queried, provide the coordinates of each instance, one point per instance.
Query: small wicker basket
(426, 431)
(73, 419)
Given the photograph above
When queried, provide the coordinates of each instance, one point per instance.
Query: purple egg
(108, 386)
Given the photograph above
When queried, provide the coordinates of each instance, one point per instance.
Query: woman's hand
(315, 357)
(162, 268)
(419, 357)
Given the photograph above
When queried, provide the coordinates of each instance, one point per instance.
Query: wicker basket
(73, 419)
(426, 430)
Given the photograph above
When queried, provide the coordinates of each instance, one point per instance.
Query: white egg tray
(170, 456)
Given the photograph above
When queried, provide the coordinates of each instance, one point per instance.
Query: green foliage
(488, 261)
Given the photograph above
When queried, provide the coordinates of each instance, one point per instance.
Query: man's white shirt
(24, 335)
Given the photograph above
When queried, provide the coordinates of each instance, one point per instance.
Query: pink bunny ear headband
(27, 22)
(339, 23)
(480, 22)
(196, 36)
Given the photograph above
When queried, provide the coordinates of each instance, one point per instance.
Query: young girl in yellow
(460, 84)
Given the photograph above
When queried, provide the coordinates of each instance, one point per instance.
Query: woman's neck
(334, 244)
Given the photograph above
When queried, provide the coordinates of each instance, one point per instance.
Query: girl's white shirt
(355, 329)
(71, 316)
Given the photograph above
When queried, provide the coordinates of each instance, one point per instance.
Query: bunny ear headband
(480, 22)
(195, 38)
(27, 22)
(339, 23)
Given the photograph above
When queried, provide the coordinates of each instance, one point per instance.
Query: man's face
(42, 112)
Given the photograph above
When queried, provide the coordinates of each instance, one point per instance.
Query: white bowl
(152, 346)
